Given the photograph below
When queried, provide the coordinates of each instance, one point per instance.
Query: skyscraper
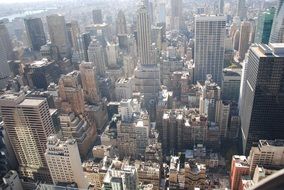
(277, 32)
(209, 47)
(89, 81)
(73, 31)
(175, 14)
(144, 36)
(121, 23)
(261, 97)
(97, 16)
(6, 42)
(96, 55)
(264, 26)
(242, 9)
(35, 33)
(84, 41)
(28, 124)
(64, 162)
(244, 40)
(221, 6)
(4, 67)
(58, 33)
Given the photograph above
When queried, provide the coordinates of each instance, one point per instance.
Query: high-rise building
(4, 66)
(264, 26)
(121, 27)
(58, 33)
(175, 14)
(144, 36)
(97, 16)
(112, 54)
(64, 162)
(242, 9)
(268, 153)
(89, 82)
(277, 32)
(28, 124)
(6, 42)
(73, 31)
(84, 41)
(96, 55)
(35, 33)
(261, 97)
(231, 82)
(239, 168)
(244, 39)
(221, 6)
(209, 47)
(71, 93)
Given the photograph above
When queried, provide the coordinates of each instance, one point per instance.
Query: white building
(64, 162)
(209, 46)
(123, 88)
(112, 54)
(96, 54)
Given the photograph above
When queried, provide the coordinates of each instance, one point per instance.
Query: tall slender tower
(244, 39)
(97, 16)
(96, 55)
(144, 36)
(6, 41)
(121, 23)
(221, 6)
(4, 67)
(209, 50)
(242, 9)
(277, 33)
(35, 33)
(262, 95)
(28, 124)
(58, 33)
(89, 82)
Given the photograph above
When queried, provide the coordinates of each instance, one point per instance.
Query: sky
(19, 1)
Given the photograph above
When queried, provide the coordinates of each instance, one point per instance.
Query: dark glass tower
(262, 95)
(35, 33)
(277, 33)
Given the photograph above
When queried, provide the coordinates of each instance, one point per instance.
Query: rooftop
(32, 102)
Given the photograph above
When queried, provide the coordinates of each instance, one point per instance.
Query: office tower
(64, 162)
(4, 66)
(6, 42)
(210, 94)
(175, 14)
(78, 128)
(242, 9)
(121, 27)
(264, 26)
(71, 93)
(84, 41)
(268, 153)
(209, 47)
(221, 6)
(97, 16)
(39, 74)
(231, 82)
(277, 32)
(123, 88)
(261, 97)
(144, 36)
(73, 32)
(58, 33)
(89, 82)
(236, 40)
(112, 51)
(239, 168)
(244, 39)
(28, 124)
(35, 33)
(96, 55)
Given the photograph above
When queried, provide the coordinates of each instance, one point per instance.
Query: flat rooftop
(32, 102)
